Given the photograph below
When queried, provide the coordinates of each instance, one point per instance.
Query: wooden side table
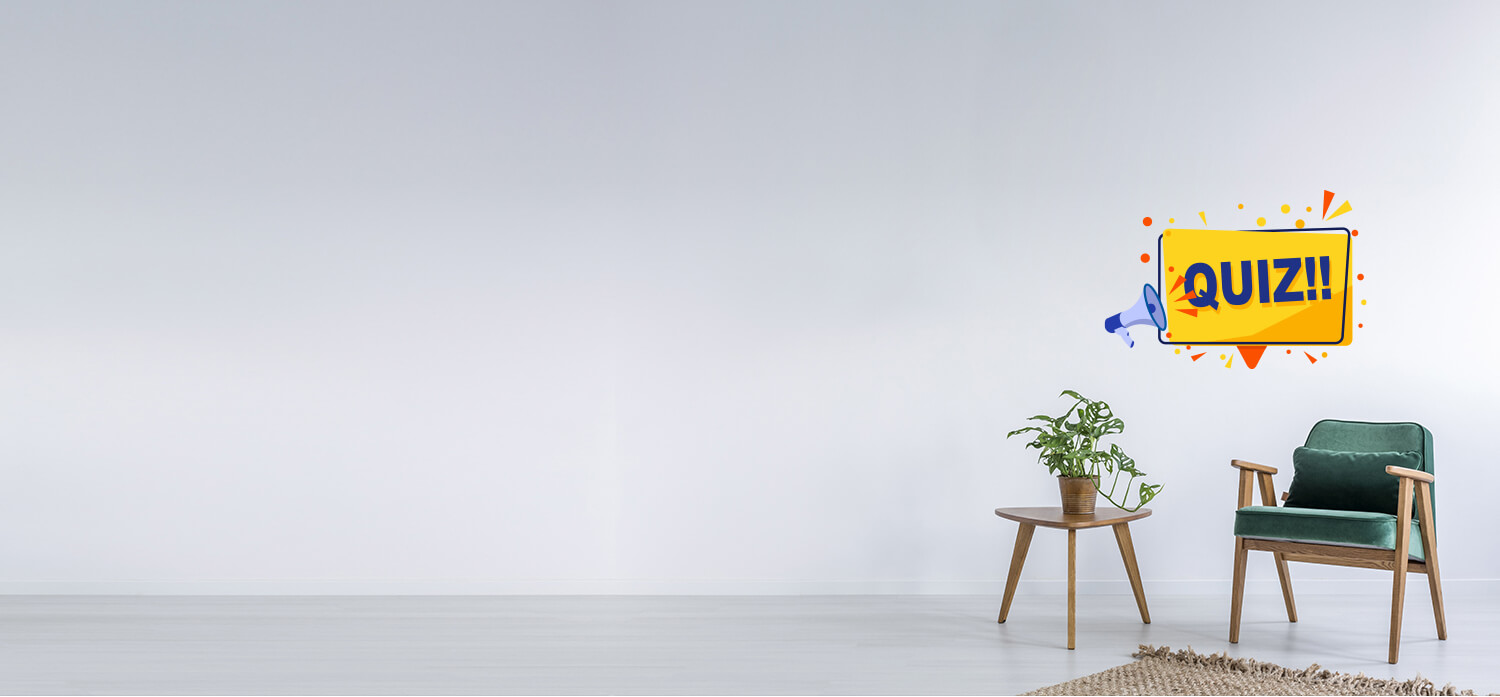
(1052, 517)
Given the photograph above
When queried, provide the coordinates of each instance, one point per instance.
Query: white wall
(693, 296)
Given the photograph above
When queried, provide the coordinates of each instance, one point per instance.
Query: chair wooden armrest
(1409, 473)
(1247, 465)
(1250, 474)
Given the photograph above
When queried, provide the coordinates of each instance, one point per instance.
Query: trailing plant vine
(1069, 446)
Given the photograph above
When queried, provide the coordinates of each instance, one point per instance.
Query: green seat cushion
(1323, 526)
(1347, 481)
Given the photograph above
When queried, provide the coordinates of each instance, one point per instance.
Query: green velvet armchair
(1350, 504)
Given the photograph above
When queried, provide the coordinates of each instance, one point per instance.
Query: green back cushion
(1366, 437)
(1347, 481)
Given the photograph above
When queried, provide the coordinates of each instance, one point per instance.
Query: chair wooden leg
(1017, 560)
(1286, 587)
(1398, 598)
(1127, 551)
(1429, 552)
(1398, 583)
(1267, 498)
(1072, 582)
(1435, 589)
(1238, 596)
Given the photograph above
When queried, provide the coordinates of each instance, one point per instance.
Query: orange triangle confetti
(1189, 296)
(1252, 355)
(1310, 359)
(1176, 285)
(1343, 208)
(1327, 199)
(1190, 313)
(1196, 357)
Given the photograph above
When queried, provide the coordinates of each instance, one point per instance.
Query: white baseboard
(1194, 587)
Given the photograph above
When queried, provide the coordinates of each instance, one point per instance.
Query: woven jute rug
(1162, 671)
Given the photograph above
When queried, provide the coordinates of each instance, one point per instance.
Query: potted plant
(1069, 446)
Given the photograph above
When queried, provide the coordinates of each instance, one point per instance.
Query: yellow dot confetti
(1325, 354)
(1300, 223)
(1260, 221)
(1363, 302)
(1242, 206)
(1171, 220)
(1285, 208)
(1176, 350)
(1221, 356)
(1309, 209)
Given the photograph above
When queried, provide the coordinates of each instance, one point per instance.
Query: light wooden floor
(686, 645)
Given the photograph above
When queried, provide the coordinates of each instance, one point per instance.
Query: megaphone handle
(1124, 335)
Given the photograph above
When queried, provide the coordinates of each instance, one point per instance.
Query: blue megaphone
(1147, 310)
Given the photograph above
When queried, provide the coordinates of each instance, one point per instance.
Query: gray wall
(693, 296)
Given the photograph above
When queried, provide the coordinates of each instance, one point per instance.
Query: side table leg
(1017, 559)
(1072, 581)
(1127, 551)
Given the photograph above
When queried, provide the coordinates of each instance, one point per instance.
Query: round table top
(1052, 517)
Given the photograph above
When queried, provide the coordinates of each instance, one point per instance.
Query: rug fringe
(1314, 673)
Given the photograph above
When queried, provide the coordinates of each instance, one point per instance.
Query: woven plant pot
(1078, 495)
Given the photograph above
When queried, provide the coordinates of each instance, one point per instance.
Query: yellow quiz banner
(1246, 287)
